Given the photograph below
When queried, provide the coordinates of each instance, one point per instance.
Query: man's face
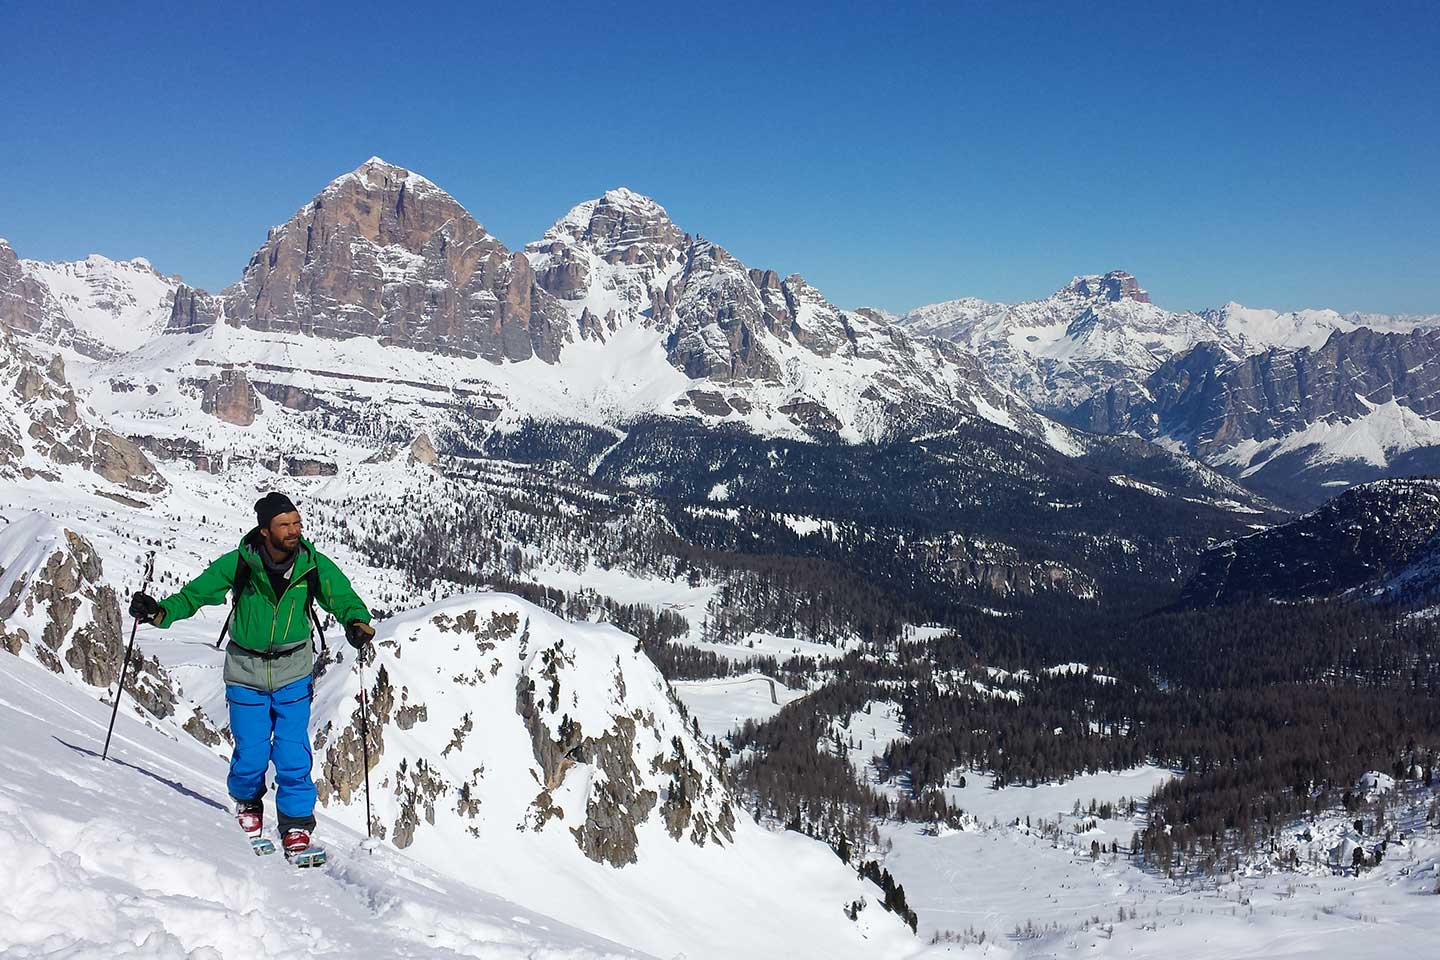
(283, 534)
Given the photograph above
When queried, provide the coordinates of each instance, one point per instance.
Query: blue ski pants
(273, 728)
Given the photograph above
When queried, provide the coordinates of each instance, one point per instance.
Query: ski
(309, 857)
(261, 846)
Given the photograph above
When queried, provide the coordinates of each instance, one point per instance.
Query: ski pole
(365, 746)
(124, 664)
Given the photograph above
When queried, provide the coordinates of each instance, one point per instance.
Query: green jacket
(264, 624)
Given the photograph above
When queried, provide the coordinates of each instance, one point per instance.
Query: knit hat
(270, 506)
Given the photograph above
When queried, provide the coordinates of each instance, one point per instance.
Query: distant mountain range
(1295, 405)
(625, 315)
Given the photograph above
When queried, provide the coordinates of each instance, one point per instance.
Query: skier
(274, 577)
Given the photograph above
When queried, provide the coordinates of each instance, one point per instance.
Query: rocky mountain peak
(1110, 287)
(383, 252)
(620, 226)
(377, 174)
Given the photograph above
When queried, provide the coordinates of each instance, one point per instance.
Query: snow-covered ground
(1020, 871)
(721, 705)
(1050, 800)
(138, 857)
(1004, 882)
(791, 887)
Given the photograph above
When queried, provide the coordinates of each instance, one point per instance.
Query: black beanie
(270, 506)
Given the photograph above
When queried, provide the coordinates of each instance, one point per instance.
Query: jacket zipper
(275, 619)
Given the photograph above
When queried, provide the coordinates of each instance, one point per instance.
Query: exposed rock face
(619, 228)
(229, 396)
(1001, 570)
(45, 427)
(385, 253)
(26, 304)
(1247, 412)
(193, 311)
(621, 802)
(57, 609)
(1113, 286)
(423, 451)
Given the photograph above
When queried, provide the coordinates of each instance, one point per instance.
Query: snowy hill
(1376, 541)
(553, 754)
(549, 754)
(138, 857)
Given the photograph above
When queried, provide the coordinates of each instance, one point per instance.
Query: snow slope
(677, 898)
(119, 304)
(138, 857)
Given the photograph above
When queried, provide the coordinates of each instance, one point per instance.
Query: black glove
(144, 607)
(359, 633)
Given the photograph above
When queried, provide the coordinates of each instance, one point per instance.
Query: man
(274, 577)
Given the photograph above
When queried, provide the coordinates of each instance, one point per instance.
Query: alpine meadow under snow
(714, 619)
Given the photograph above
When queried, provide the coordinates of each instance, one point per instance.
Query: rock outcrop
(58, 609)
(229, 396)
(45, 427)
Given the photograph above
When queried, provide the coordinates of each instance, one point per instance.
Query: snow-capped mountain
(1102, 331)
(1291, 403)
(645, 357)
(97, 306)
(615, 314)
(1056, 352)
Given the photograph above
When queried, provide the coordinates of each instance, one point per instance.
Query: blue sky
(1279, 154)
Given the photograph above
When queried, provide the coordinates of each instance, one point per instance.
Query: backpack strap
(242, 580)
(312, 590)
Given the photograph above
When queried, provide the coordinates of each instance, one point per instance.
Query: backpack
(242, 580)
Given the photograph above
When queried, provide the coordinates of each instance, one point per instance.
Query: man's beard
(283, 548)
